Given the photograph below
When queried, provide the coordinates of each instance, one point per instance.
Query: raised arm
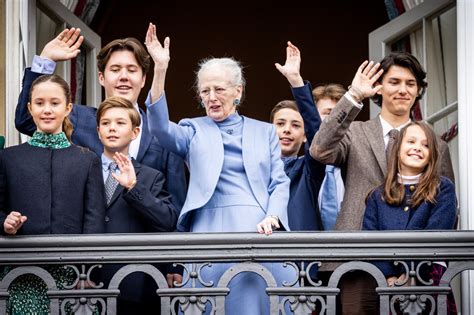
(302, 93)
(173, 137)
(332, 142)
(161, 57)
(291, 68)
(65, 46)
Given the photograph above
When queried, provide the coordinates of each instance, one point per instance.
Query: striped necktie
(111, 183)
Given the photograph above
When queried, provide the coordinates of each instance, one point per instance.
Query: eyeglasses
(217, 90)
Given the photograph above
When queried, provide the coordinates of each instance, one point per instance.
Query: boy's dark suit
(145, 208)
(83, 118)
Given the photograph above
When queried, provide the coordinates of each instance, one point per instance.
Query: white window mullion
(465, 55)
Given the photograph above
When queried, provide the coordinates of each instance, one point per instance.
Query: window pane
(441, 61)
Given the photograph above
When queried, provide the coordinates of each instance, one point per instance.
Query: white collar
(409, 180)
(136, 107)
(386, 127)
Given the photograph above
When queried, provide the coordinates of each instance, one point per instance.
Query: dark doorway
(332, 36)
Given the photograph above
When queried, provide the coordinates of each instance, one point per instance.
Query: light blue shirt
(43, 65)
(340, 188)
(105, 167)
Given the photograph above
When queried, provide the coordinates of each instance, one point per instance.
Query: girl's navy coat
(381, 216)
(61, 191)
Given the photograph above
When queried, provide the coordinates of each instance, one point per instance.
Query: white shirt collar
(135, 144)
(386, 127)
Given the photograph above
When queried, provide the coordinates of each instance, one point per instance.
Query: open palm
(365, 78)
(159, 53)
(127, 172)
(292, 63)
(291, 68)
(65, 46)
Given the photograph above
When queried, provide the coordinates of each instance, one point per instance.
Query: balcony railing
(139, 253)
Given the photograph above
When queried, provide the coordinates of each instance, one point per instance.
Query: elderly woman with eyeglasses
(237, 180)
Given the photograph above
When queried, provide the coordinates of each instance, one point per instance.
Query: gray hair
(234, 69)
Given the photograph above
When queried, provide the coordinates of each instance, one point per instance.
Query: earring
(202, 104)
(237, 102)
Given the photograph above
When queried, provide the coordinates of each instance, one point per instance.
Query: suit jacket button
(412, 188)
(107, 219)
(406, 208)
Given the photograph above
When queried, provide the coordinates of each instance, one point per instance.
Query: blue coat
(83, 118)
(306, 174)
(199, 141)
(380, 216)
(60, 191)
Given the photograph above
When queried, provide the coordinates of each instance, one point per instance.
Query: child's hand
(396, 281)
(391, 281)
(291, 68)
(13, 222)
(127, 177)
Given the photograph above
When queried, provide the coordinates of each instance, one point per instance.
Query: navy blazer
(306, 174)
(61, 191)
(145, 208)
(380, 216)
(83, 118)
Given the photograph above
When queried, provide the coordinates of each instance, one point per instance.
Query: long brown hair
(67, 125)
(427, 188)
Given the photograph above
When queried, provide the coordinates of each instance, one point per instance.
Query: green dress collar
(44, 140)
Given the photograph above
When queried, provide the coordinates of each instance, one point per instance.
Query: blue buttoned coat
(381, 216)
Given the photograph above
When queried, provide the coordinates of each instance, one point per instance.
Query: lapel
(374, 134)
(120, 188)
(146, 137)
(251, 153)
(293, 168)
(248, 144)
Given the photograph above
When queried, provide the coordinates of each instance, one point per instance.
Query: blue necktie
(329, 207)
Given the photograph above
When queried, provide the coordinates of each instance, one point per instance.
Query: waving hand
(65, 46)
